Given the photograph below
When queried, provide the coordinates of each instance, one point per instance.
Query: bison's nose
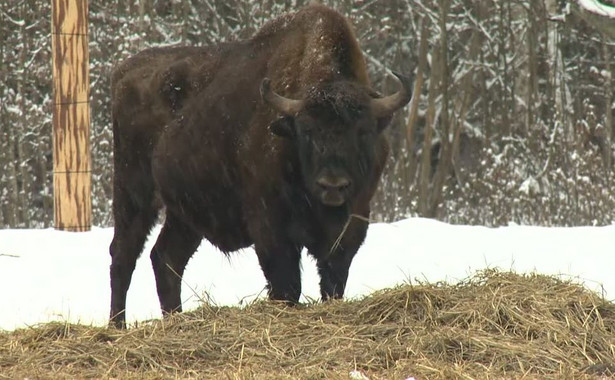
(333, 189)
(333, 183)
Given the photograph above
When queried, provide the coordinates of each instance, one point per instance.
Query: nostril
(343, 185)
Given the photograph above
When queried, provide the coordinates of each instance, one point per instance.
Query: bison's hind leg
(132, 226)
(175, 245)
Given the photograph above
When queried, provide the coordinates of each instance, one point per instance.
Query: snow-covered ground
(52, 275)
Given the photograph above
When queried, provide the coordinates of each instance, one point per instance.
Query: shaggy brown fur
(190, 134)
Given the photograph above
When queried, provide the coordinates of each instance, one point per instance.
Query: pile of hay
(491, 326)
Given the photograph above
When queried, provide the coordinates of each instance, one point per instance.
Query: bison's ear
(283, 127)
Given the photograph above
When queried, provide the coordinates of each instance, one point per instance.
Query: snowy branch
(598, 8)
(599, 15)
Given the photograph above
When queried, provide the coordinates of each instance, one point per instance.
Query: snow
(597, 7)
(50, 275)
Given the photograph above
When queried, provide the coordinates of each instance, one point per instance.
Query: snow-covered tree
(511, 122)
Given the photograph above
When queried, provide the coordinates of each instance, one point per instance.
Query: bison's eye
(307, 131)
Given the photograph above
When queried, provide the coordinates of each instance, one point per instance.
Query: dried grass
(493, 325)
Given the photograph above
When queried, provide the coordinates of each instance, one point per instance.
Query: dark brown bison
(275, 141)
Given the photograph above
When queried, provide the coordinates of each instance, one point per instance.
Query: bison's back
(159, 80)
(148, 89)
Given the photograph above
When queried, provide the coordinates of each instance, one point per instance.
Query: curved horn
(382, 107)
(284, 105)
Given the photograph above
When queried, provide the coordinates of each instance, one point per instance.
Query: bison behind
(275, 141)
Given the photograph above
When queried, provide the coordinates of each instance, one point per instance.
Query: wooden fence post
(71, 115)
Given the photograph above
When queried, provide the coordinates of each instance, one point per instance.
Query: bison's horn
(284, 105)
(382, 107)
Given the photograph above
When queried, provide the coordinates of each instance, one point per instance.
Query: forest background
(513, 123)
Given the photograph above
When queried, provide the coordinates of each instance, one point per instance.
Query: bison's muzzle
(333, 190)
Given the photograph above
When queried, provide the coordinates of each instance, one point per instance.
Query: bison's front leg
(334, 261)
(334, 274)
(281, 267)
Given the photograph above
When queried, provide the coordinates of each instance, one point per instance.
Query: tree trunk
(607, 151)
(424, 180)
(414, 104)
(444, 164)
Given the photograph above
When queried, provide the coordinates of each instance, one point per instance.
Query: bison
(275, 142)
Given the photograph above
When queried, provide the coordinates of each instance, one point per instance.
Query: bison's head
(335, 129)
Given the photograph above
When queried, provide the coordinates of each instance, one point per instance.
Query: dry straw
(493, 325)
